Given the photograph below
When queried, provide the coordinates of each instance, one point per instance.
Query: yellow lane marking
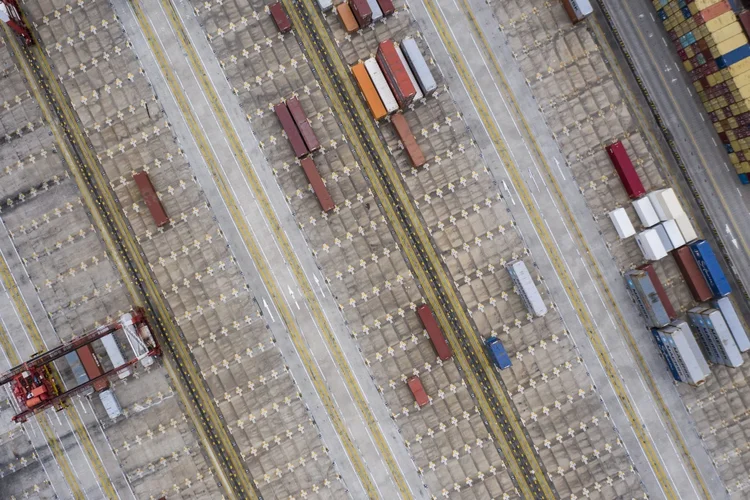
(544, 235)
(519, 445)
(107, 205)
(257, 255)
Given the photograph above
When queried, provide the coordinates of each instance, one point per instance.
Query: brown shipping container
(319, 188)
(362, 12)
(300, 119)
(387, 7)
(280, 18)
(417, 390)
(92, 366)
(292, 133)
(143, 181)
(395, 73)
(692, 274)
(408, 140)
(347, 18)
(659, 290)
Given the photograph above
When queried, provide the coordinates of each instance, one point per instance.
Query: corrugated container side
(692, 274)
(417, 390)
(498, 353)
(646, 212)
(115, 354)
(381, 85)
(418, 95)
(660, 291)
(79, 372)
(319, 188)
(368, 90)
(143, 182)
(110, 403)
(387, 7)
(395, 73)
(710, 268)
(671, 365)
(292, 133)
(725, 306)
(435, 333)
(377, 13)
(361, 11)
(303, 124)
(282, 21)
(625, 170)
(527, 288)
(413, 151)
(92, 366)
(347, 17)
(419, 65)
(664, 237)
(644, 294)
(650, 244)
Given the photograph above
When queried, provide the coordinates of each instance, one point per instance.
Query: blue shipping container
(498, 353)
(686, 13)
(733, 57)
(667, 357)
(710, 268)
(662, 15)
(744, 178)
(642, 290)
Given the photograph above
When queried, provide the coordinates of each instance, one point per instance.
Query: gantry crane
(10, 14)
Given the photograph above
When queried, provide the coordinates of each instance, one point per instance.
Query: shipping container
(368, 90)
(381, 85)
(725, 306)
(577, 9)
(303, 124)
(645, 297)
(646, 212)
(387, 7)
(660, 291)
(664, 237)
(666, 204)
(710, 268)
(650, 244)
(673, 231)
(347, 18)
(684, 358)
(325, 5)
(667, 355)
(91, 365)
(292, 133)
(377, 13)
(417, 390)
(110, 403)
(143, 182)
(435, 333)
(497, 353)
(280, 18)
(115, 355)
(413, 151)
(418, 95)
(626, 170)
(79, 372)
(361, 11)
(686, 228)
(621, 221)
(395, 73)
(714, 337)
(319, 187)
(692, 274)
(418, 66)
(530, 295)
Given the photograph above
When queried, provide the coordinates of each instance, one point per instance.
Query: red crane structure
(34, 385)
(10, 14)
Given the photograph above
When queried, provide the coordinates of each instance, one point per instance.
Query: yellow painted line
(545, 237)
(106, 205)
(519, 444)
(257, 255)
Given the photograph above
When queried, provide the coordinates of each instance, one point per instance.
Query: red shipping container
(300, 119)
(433, 330)
(715, 10)
(417, 390)
(625, 170)
(408, 140)
(659, 290)
(745, 21)
(92, 366)
(143, 181)
(319, 188)
(287, 123)
(280, 18)
(387, 7)
(362, 12)
(692, 274)
(395, 73)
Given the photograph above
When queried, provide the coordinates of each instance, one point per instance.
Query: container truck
(91, 365)
(418, 65)
(282, 21)
(418, 95)
(143, 182)
(417, 390)
(682, 354)
(650, 244)
(625, 169)
(646, 212)
(319, 187)
(434, 332)
(686, 228)
(621, 221)
(666, 204)
(497, 353)
(674, 234)
(692, 274)
(292, 133)
(659, 287)
(710, 268)
(646, 298)
(577, 9)
(368, 90)
(413, 151)
(303, 124)
(387, 7)
(377, 13)
(395, 73)
(347, 18)
(726, 308)
(381, 85)
(361, 11)
(110, 403)
(714, 337)
(530, 296)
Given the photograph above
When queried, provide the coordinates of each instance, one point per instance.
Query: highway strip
(197, 120)
(125, 253)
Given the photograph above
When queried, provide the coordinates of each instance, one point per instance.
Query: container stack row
(357, 14)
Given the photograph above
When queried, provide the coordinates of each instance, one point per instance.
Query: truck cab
(497, 353)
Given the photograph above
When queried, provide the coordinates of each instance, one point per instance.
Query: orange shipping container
(715, 10)
(347, 18)
(408, 140)
(368, 89)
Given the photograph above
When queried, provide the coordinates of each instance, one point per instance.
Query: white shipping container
(325, 5)
(377, 12)
(686, 228)
(733, 322)
(526, 288)
(646, 212)
(622, 223)
(115, 355)
(650, 245)
(664, 237)
(111, 405)
(381, 85)
(675, 236)
(418, 95)
(666, 204)
(418, 65)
